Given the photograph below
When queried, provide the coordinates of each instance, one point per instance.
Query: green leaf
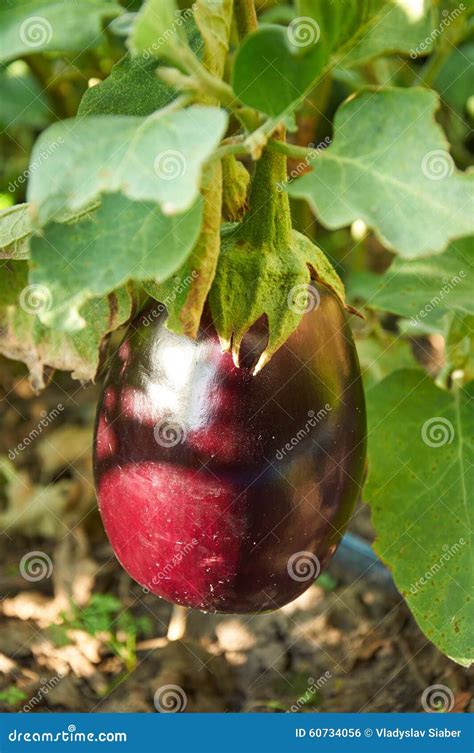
(16, 229)
(422, 288)
(275, 66)
(420, 490)
(399, 26)
(30, 26)
(23, 103)
(389, 165)
(460, 345)
(133, 88)
(454, 84)
(13, 278)
(454, 80)
(24, 338)
(122, 240)
(158, 29)
(158, 158)
(380, 356)
(15, 232)
(270, 74)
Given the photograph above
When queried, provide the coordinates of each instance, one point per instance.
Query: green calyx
(265, 267)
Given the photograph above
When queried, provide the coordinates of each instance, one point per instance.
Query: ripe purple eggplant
(221, 490)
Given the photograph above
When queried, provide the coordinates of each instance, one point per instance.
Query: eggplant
(224, 491)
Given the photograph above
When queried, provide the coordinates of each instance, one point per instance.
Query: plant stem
(215, 86)
(433, 66)
(246, 17)
(441, 52)
(290, 150)
(249, 118)
(268, 220)
(238, 150)
(220, 90)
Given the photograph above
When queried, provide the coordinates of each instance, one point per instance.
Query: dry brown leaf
(32, 509)
(64, 447)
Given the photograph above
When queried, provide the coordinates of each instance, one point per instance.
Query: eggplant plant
(233, 215)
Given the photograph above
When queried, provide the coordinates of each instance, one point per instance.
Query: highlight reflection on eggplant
(221, 490)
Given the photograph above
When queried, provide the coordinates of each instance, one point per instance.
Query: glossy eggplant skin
(213, 482)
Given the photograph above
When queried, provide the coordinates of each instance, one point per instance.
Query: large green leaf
(276, 66)
(420, 490)
(29, 26)
(389, 165)
(422, 289)
(158, 158)
(122, 240)
(24, 338)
